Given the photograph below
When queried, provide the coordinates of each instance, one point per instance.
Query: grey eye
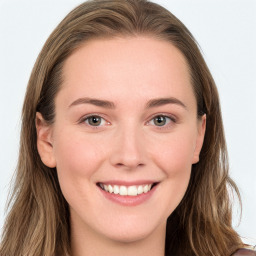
(160, 120)
(94, 120)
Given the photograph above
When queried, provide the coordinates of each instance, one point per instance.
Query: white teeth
(132, 191)
(110, 189)
(145, 189)
(124, 191)
(116, 189)
(140, 190)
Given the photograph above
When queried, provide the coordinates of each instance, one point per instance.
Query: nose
(128, 149)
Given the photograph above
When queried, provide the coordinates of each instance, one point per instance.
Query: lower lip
(128, 200)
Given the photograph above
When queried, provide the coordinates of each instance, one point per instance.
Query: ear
(200, 138)
(44, 141)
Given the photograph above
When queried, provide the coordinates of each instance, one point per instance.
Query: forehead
(126, 67)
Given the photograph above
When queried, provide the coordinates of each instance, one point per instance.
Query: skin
(126, 146)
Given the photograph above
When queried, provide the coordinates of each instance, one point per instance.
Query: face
(126, 122)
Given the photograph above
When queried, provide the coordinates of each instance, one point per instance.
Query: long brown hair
(38, 220)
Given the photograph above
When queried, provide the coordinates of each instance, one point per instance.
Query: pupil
(160, 120)
(94, 120)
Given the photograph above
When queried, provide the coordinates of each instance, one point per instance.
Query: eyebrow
(96, 102)
(110, 105)
(163, 101)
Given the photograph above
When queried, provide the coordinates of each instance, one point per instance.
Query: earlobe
(200, 139)
(44, 141)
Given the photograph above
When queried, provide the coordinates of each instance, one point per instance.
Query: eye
(94, 121)
(161, 120)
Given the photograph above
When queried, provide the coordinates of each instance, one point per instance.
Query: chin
(133, 231)
(127, 236)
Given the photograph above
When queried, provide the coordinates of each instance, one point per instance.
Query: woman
(122, 144)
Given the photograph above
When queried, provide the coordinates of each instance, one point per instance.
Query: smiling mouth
(122, 190)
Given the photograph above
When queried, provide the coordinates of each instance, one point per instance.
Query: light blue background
(226, 33)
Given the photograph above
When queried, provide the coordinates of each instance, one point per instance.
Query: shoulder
(244, 252)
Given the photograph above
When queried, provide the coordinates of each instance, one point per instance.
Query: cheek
(78, 158)
(173, 156)
(174, 153)
(77, 154)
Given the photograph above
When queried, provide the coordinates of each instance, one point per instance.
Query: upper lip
(127, 183)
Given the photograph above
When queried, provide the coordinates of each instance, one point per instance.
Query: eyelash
(172, 121)
(86, 118)
(171, 118)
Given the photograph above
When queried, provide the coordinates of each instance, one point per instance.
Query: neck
(84, 242)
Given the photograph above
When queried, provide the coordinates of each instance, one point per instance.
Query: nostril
(129, 166)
